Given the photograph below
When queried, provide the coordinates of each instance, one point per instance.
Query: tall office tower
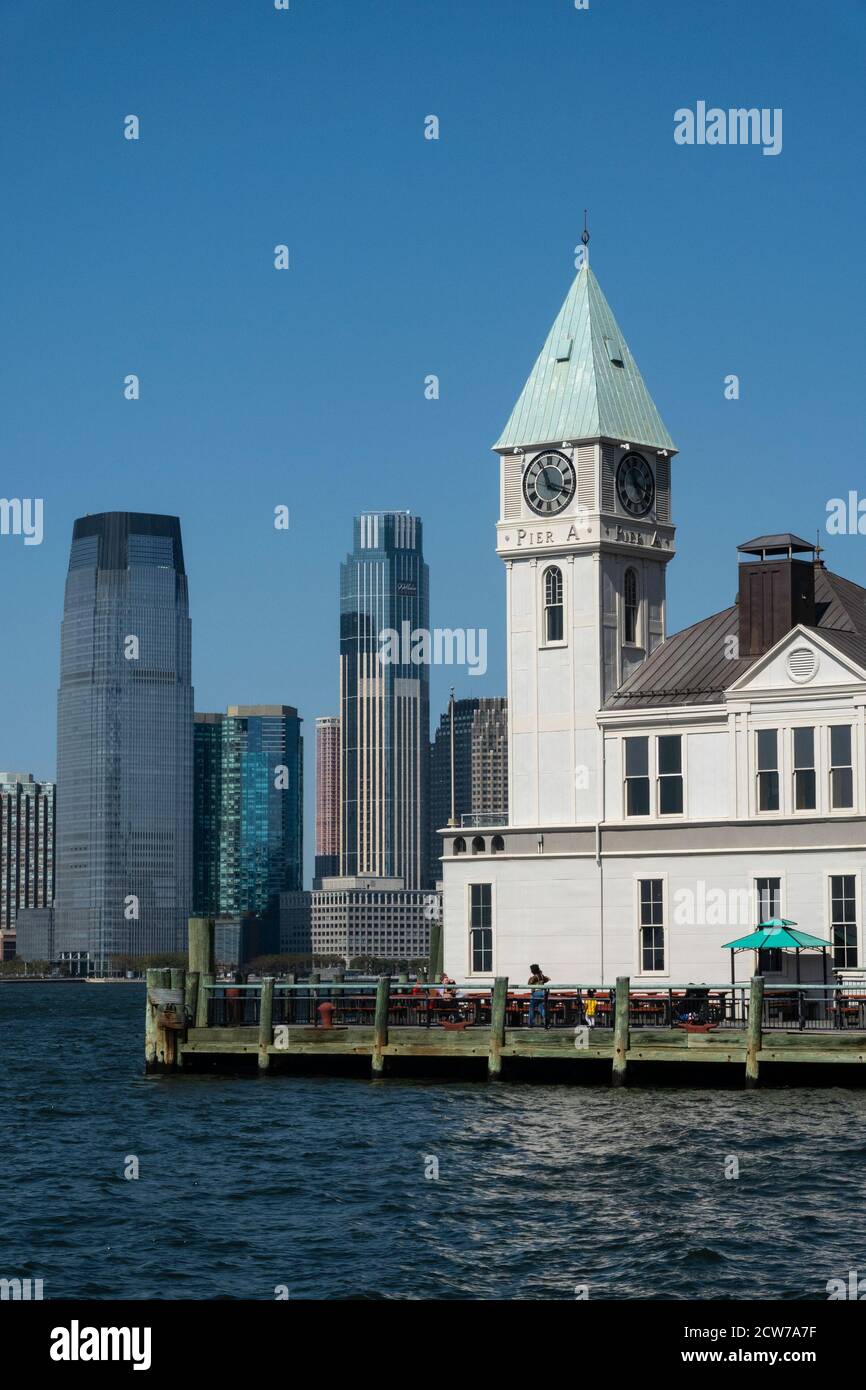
(207, 803)
(249, 792)
(327, 798)
(124, 742)
(26, 845)
(480, 769)
(384, 701)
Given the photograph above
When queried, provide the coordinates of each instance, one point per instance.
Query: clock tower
(586, 535)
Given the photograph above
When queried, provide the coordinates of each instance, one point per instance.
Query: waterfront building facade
(384, 701)
(358, 918)
(124, 742)
(327, 861)
(480, 769)
(665, 793)
(27, 815)
(248, 798)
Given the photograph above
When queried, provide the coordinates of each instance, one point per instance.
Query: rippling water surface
(318, 1183)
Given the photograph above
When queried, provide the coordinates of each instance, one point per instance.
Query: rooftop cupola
(776, 590)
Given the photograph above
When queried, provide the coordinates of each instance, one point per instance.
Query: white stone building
(665, 793)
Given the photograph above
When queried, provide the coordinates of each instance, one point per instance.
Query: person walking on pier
(537, 999)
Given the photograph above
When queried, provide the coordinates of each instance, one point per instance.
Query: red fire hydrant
(326, 1014)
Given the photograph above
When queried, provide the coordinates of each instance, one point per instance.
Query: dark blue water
(319, 1183)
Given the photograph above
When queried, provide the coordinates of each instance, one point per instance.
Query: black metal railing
(553, 1007)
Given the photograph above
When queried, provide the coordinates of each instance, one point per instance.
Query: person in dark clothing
(538, 997)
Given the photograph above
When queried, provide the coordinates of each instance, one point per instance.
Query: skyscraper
(249, 789)
(26, 845)
(384, 700)
(480, 768)
(124, 741)
(327, 797)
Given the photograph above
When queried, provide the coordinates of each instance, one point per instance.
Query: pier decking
(194, 1021)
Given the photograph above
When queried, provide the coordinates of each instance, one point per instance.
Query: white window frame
(827, 775)
(544, 568)
(480, 974)
(644, 876)
(635, 640)
(780, 769)
(791, 729)
(829, 875)
(654, 813)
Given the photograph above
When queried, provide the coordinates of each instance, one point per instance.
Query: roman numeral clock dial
(635, 485)
(549, 483)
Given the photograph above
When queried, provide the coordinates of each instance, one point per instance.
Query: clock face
(549, 483)
(635, 485)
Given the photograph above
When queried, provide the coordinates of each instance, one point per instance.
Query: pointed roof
(585, 382)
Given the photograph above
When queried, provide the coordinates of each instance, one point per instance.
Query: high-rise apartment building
(480, 769)
(249, 788)
(124, 741)
(384, 701)
(327, 797)
(26, 845)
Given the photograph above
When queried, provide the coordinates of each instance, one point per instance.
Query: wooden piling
(380, 1024)
(163, 981)
(205, 989)
(266, 1021)
(498, 1004)
(152, 982)
(175, 1015)
(754, 1029)
(200, 932)
(190, 997)
(620, 1031)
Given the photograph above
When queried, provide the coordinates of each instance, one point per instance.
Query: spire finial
(585, 239)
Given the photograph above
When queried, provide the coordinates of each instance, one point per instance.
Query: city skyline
(306, 387)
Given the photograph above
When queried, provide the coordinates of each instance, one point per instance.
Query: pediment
(802, 660)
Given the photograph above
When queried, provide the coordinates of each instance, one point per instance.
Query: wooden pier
(193, 1021)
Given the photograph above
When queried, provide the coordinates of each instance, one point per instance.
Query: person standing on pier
(538, 997)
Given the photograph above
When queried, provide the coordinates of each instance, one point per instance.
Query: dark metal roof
(779, 544)
(696, 666)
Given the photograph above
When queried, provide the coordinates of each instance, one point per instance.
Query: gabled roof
(692, 668)
(585, 383)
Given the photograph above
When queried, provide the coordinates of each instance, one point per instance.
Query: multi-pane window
(637, 783)
(804, 769)
(843, 917)
(652, 932)
(768, 770)
(481, 927)
(554, 625)
(768, 894)
(670, 774)
(630, 606)
(841, 771)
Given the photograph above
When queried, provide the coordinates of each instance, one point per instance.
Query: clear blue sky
(408, 257)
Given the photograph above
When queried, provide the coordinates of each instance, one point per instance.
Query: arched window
(554, 625)
(459, 845)
(497, 845)
(630, 605)
(478, 846)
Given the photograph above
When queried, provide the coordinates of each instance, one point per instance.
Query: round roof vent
(802, 664)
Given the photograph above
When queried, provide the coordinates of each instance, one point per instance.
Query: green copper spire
(585, 382)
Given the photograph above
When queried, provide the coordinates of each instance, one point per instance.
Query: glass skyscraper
(249, 792)
(384, 702)
(124, 742)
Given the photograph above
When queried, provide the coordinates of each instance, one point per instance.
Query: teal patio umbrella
(777, 934)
